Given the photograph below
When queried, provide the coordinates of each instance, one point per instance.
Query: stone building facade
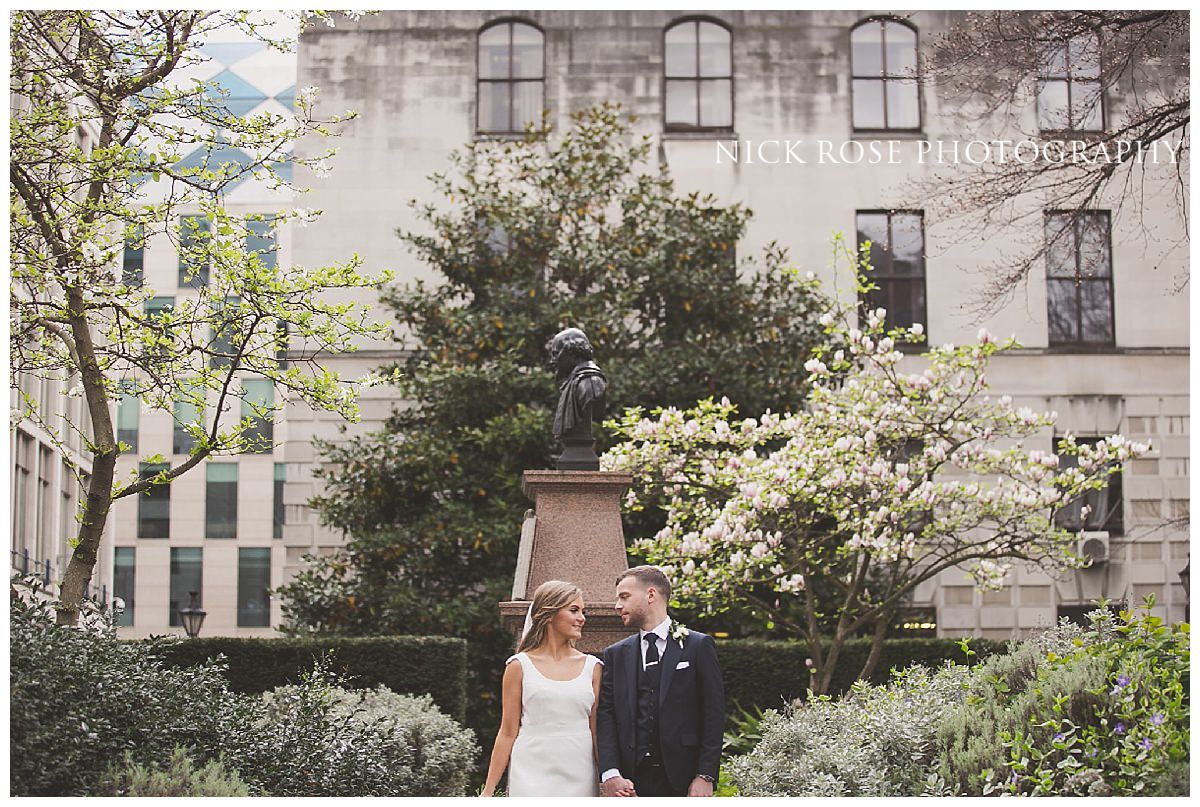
(424, 82)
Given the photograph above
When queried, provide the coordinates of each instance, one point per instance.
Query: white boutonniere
(679, 632)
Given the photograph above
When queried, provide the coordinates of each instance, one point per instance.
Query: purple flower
(1091, 753)
(1157, 719)
(1119, 728)
(1058, 738)
(1147, 743)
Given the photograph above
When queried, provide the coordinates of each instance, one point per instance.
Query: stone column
(574, 534)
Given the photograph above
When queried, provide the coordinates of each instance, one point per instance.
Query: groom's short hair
(649, 576)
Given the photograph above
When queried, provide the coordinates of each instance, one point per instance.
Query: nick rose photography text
(975, 152)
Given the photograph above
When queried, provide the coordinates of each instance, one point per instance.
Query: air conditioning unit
(1093, 546)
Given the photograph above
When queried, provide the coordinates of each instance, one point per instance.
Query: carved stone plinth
(574, 534)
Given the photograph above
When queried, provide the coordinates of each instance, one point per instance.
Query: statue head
(568, 350)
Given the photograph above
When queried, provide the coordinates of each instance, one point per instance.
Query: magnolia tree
(75, 205)
(888, 474)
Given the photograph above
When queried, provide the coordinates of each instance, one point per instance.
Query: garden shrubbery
(1072, 711)
(93, 715)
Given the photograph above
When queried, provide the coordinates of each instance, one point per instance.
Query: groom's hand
(617, 786)
(700, 787)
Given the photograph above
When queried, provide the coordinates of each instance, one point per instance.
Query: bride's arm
(510, 724)
(597, 671)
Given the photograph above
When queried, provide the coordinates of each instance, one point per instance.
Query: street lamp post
(192, 617)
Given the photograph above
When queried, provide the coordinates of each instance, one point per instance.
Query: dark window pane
(261, 240)
(188, 412)
(1096, 307)
(866, 50)
(225, 328)
(187, 575)
(868, 104)
(680, 51)
(907, 245)
(258, 405)
(279, 512)
(124, 575)
(1060, 246)
(527, 104)
(493, 52)
(714, 50)
(221, 500)
(1093, 246)
(903, 105)
(1062, 310)
(900, 50)
(154, 505)
(493, 106)
(681, 106)
(527, 51)
(254, 583)
(1105, 505)
(127, 420)
(133, 260)
(1052, 106)
(873, 227)
(716, 103)
(194, 236)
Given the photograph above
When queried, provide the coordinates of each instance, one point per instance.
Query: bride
(548, 719)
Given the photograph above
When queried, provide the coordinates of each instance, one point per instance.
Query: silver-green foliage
(402, 745)
(874, 741)
(179, 777)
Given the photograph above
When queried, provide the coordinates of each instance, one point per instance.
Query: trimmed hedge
(410, 664)
(765, 673)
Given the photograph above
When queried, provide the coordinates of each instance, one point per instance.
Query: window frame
(677, 128)
(1116, 514)
(1081, 345)
(479, 80)
(1041, 79)
(884, 78)
(875, 277)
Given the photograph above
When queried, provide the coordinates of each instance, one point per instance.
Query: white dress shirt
(660, 631)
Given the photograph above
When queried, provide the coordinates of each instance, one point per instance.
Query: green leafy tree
(75, 202)
(536, 234)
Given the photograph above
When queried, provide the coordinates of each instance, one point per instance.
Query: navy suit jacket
(691, 708)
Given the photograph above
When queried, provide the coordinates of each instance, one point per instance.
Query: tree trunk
(877, 638)
(104, 464)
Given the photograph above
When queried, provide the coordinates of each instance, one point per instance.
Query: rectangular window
(127, 419)
(262, 240)
(1079, 292)
(133, 259)
(195, 235)
(223, 338)
(1106, 509)
(189, 412)
(258, 401)
(898, 259)
(254, 583)
(187, 575)
(154, 504)
(1070, 95)
(280, 478)
(220, 503)
(123, 582)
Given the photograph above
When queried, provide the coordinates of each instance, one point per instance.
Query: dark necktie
(651, 649)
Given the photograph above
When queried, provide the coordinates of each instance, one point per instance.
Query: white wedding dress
(553, 754)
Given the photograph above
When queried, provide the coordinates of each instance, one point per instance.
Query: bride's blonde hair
(548, 599)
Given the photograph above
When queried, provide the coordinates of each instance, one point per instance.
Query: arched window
(1070, 97)
(512, 77)
(698, 76)
(883, 71)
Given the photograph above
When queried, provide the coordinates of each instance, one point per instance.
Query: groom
(661, 715)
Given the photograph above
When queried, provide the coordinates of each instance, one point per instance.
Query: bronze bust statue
(580, 401)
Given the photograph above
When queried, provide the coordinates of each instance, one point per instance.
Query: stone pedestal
(574, 534)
